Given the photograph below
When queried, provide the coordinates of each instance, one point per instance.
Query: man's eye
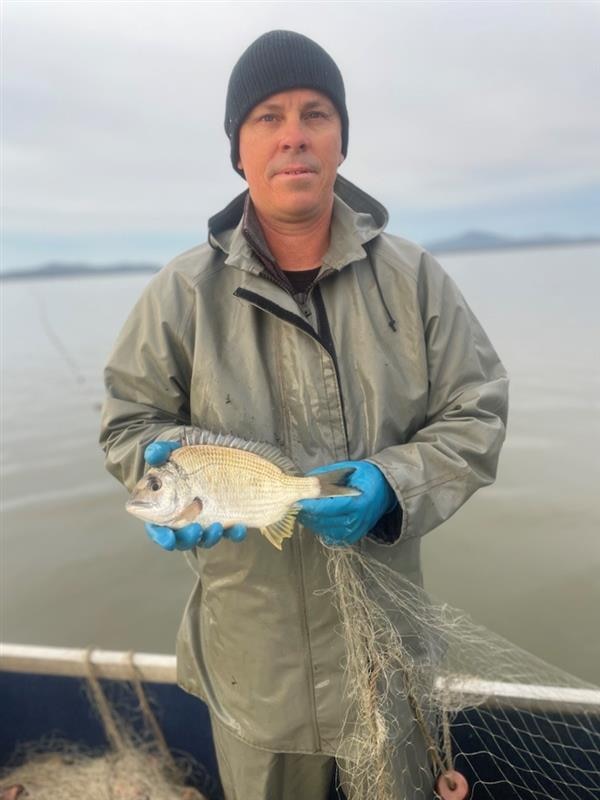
(267, 117)
(317, 114)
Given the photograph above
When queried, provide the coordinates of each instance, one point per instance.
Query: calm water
(522, 557)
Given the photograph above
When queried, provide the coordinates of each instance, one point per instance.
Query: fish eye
(155, 484)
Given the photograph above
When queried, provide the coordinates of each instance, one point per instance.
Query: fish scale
(258, 499)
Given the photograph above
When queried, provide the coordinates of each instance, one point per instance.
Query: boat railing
(161, 668)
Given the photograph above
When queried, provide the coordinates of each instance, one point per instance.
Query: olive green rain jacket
(383, 360)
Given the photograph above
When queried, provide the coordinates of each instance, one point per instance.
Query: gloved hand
(343, 520)
(192, 535)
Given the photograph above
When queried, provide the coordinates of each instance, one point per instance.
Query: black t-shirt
(301, 279)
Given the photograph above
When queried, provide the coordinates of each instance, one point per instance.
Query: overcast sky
(463, 116)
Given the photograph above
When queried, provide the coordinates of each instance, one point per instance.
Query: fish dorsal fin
(281, 530)
(193, 436)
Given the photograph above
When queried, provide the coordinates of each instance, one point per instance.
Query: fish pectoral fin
(190, 513)
(282, 529)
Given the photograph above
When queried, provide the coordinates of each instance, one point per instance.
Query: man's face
(290, 148)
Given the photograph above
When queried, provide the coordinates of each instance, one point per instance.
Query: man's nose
(294, 136)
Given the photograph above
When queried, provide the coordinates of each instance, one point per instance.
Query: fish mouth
(140, 508)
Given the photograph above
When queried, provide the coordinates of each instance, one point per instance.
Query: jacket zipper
(327, 343)
(323, 336)
(302, 300)
(327, 338)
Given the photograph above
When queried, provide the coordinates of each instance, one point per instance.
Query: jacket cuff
(388, 528)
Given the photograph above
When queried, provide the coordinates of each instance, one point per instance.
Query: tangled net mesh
(414, 669)
(136, 766)
(69, 772)
(417, 674)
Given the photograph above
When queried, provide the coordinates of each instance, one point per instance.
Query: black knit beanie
(275, 62)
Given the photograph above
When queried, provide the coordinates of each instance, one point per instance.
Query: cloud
(114, 111)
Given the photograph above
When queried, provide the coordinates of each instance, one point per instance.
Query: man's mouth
(296, 171)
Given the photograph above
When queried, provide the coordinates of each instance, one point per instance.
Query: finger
(211, 535)
(163, 537)
(188, 536)
(329, 507)
(157, 453)
(331, 541)
(334, 528)
(237, 533)
(355, 534)
(342, 531)
(315, 522)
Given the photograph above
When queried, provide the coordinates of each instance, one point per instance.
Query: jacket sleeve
(456, 451)
(147, 378)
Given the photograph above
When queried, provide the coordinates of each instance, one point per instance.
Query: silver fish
(216, 478)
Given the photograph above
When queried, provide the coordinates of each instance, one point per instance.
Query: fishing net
(138, 764)
(442, 707)
(71, 773)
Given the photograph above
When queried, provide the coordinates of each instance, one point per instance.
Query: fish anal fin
(283, 529)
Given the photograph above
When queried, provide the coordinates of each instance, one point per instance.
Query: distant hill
(482, 240)
(471, 240)
(58, 269)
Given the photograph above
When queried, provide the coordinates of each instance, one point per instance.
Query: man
(302, 324)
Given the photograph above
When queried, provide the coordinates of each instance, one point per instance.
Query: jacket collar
(357, 218)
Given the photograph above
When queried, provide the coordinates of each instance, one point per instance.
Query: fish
(222, 478)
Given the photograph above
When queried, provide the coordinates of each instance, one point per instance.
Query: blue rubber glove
(344, 520)
(192, 535)
(157, 453)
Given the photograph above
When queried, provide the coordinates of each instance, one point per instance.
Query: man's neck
(297, 245)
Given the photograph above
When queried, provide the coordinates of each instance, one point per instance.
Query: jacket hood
(370, 216)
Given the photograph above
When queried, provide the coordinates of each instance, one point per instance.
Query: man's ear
(341, 159)
(241, 168)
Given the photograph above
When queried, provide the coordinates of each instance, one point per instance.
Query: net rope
(431, 696)
(420, 676)
(136, 766)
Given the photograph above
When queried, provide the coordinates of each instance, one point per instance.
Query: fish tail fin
(282, 529)
(333, 483)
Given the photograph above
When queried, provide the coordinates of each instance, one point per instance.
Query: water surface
(522, 556)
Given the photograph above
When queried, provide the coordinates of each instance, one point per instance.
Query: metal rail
(158, 668)
(71, 661)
